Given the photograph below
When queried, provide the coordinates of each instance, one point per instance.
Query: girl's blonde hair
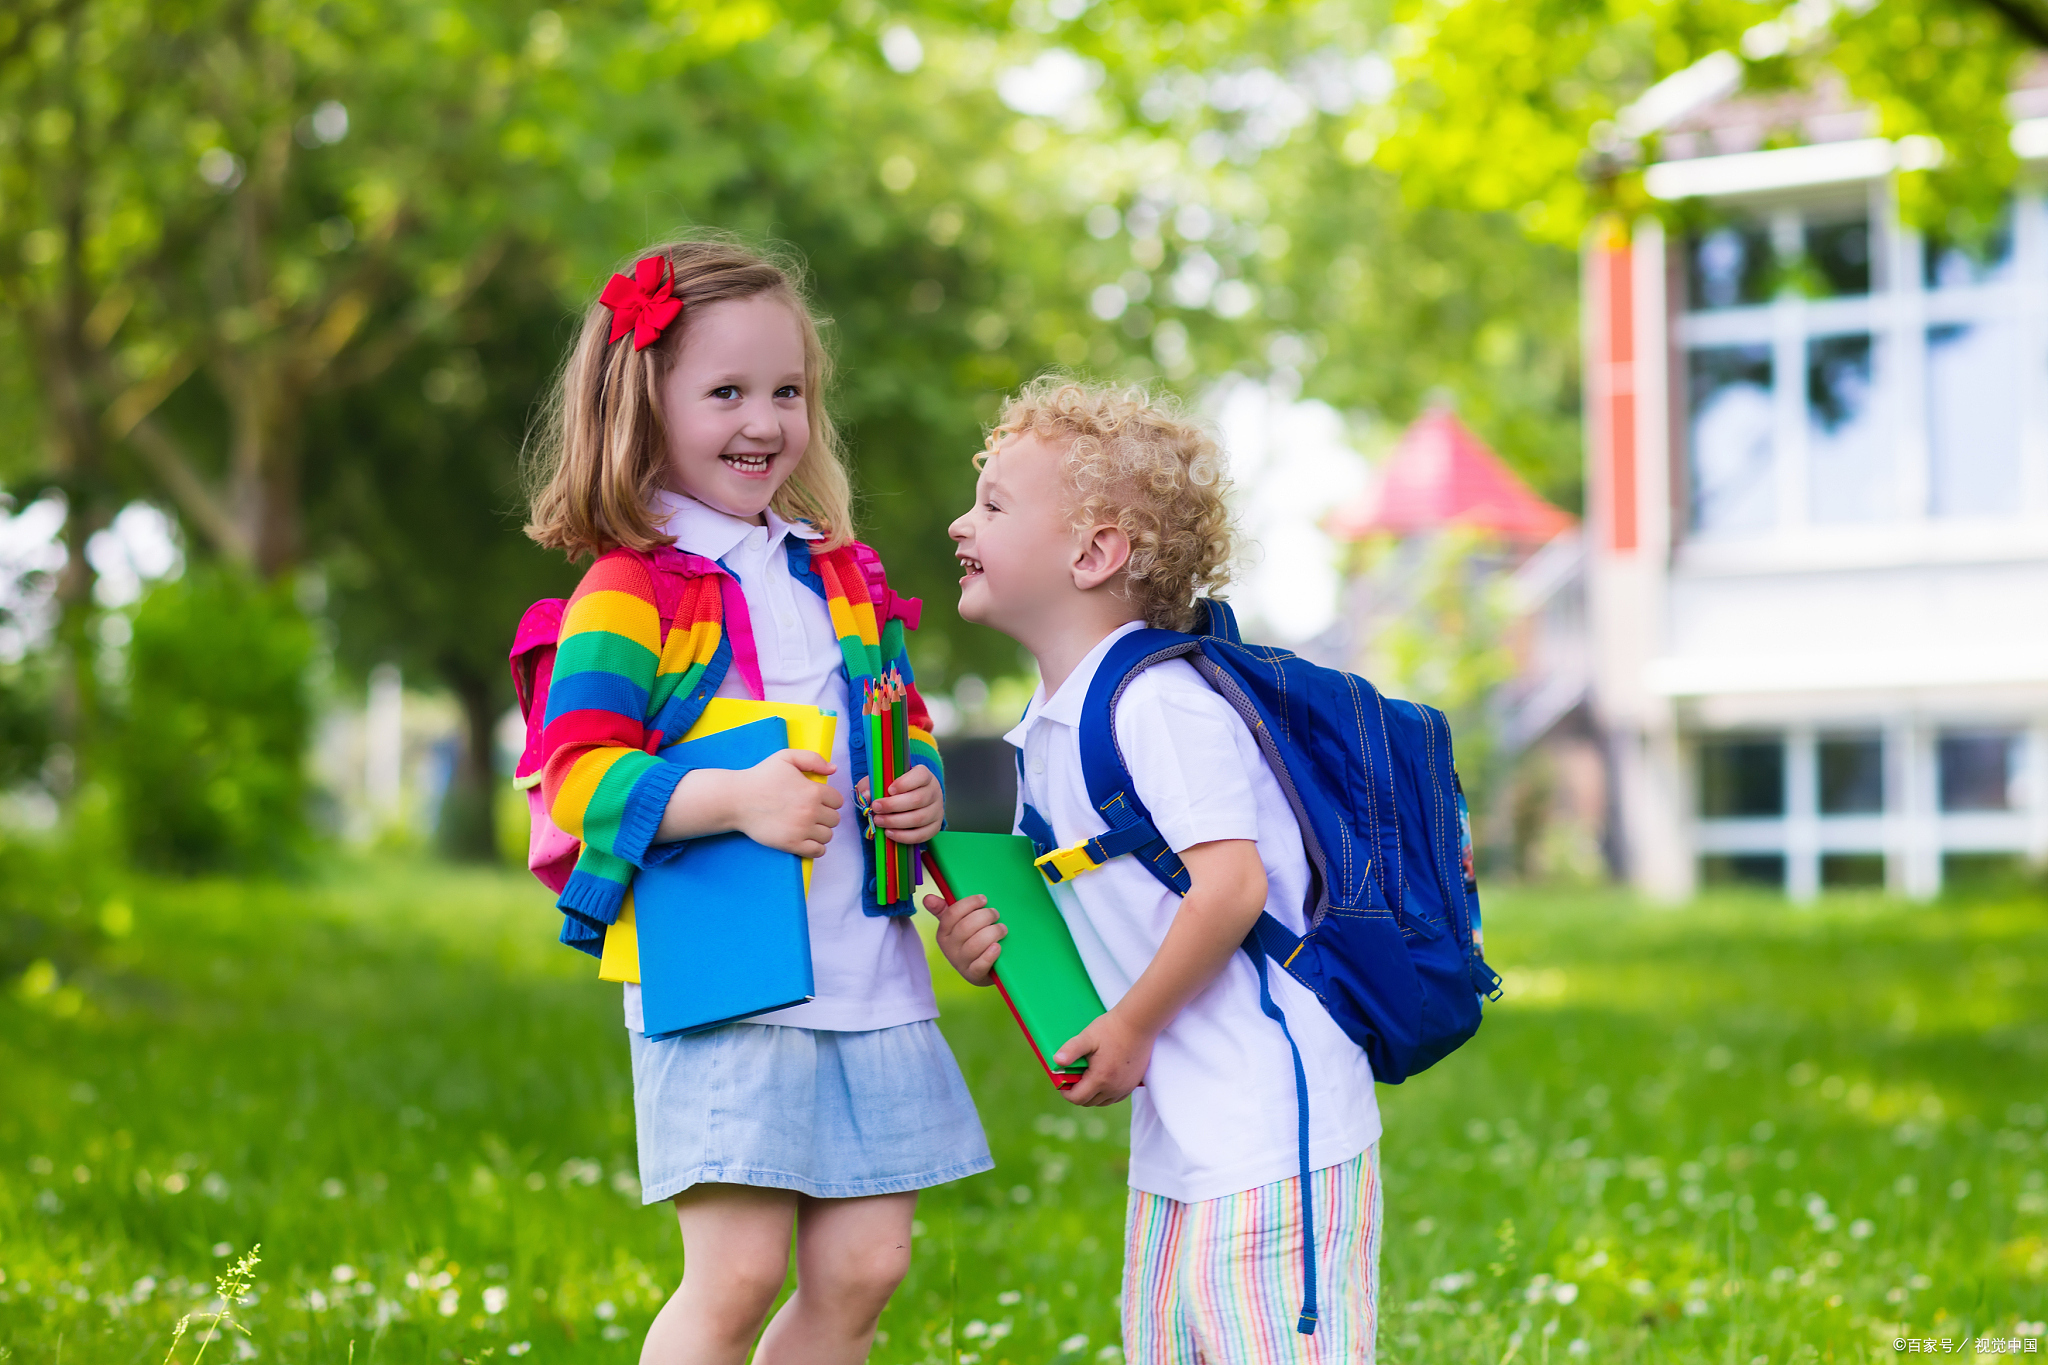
(1138, 463)
(601, 449)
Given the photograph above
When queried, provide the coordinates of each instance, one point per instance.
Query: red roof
(1442, 475)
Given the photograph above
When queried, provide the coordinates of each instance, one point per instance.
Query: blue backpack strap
(1036, 827)
(1063, 864)
(1109, 782)
(1131, 831)
(1221, 620)
(1306, 1323)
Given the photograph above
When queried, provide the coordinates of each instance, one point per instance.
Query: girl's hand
(915, 808)
(1117, 1052)
(773, 803)
(776, 804)
(970, 935)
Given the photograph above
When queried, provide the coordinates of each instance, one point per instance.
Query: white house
(1817, 531)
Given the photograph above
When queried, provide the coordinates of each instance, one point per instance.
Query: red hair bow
(642, 305)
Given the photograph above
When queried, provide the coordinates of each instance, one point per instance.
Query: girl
(690, 452)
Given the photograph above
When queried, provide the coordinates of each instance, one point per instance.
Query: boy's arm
(1228, 892)
(970, 935)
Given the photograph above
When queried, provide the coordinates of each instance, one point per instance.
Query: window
(1978, 770)
(1968, 872)
(1973, 418)
(1846, 870)
(1742, 778)
(1847, 450)
(1902, 412)
(1730, 266)
(1961, 262)
(1837, 258)
(1851, 774)
(1743, 869)
(1732, 441)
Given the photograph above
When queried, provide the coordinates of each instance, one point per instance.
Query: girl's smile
(733, 405)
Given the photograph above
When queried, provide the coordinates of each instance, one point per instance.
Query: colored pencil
(872, 713)
(894, 746)
(906, 872)
(883, 845)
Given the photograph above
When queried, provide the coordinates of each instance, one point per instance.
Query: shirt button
(1038, 765)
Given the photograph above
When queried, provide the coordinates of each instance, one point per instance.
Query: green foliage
(1442, 617)
(1503, 104)
(234, 343)
(1708, 1134)
(58, 909)
(1942, 69)
(414, 510)
(210, 764)
(27, 696)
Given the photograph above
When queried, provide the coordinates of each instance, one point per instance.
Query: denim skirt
(834, 1115)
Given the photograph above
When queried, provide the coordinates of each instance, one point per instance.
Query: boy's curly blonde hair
(1137, 462)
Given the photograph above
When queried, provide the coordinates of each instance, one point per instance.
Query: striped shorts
(1219, 1282)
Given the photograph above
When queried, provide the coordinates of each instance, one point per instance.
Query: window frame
(1897, 315)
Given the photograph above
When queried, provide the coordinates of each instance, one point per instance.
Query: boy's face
(1016, 546)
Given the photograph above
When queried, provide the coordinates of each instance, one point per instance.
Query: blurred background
(1661, 388)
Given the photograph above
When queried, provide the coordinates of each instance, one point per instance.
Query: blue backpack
(1393, 943)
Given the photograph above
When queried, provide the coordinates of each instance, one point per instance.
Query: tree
(414, 511)
(193, 248)
(1521, 106)
(275, 267)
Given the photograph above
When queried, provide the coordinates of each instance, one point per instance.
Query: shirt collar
(1065, 705)
(704, 530)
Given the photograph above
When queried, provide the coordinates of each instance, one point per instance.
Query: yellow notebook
(809, 728)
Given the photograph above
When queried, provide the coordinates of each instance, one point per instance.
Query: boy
(1098, 512)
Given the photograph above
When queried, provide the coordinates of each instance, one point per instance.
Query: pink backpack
(551, 852)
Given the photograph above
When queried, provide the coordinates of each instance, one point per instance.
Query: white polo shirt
(1216, 1114)
(870, 970)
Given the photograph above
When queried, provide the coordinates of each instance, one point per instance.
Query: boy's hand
(914, 808)
(1117, 1054)
(970, 935)
(776, 804)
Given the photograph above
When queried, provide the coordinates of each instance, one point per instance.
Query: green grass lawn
(1738, 1132)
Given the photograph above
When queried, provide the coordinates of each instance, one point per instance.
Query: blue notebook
(722, 925)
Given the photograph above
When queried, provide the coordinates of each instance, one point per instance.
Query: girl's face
(734, 405)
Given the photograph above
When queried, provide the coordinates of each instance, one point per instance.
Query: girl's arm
(600, 783)
(1228, 892)
(772, 803)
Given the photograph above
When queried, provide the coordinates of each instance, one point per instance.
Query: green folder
(1039, 970)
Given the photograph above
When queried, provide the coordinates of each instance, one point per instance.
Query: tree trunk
(469, 825)
(264, 459)
(77, 702)
(79, 463)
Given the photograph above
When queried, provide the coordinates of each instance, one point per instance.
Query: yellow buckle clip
(1065, 864)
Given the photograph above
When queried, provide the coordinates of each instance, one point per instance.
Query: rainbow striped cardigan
(642, 645)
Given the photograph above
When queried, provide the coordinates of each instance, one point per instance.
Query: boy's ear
(1099, 556)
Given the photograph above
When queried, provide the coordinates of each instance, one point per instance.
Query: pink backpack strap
(671, 568)
(889, 606)
(533, 666)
